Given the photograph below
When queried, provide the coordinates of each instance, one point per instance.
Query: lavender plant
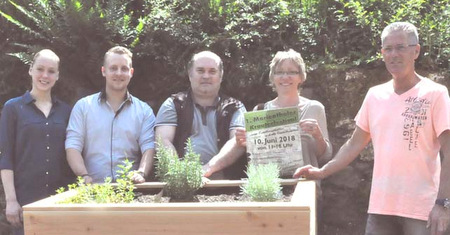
(263, 184)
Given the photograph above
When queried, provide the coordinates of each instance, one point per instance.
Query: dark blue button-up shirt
(32, 145)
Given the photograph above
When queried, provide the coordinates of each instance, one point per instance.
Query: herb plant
(263, 183)
(183, 176)
(106, 192)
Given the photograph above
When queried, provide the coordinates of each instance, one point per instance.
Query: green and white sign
(274, 136)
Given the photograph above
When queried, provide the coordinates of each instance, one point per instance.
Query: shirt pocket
(58, 127)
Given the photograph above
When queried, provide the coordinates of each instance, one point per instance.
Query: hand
(205, 181)
(438, 220)
(241, 138)
(138, 177)
(207, 172)
(311, 127)
(14, 213)
(309, 172)
(87, 179)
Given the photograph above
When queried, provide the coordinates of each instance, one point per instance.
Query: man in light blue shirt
(110, 126)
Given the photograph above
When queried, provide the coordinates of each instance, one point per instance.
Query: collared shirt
(204, 133)
(106, 138)
(32, 145)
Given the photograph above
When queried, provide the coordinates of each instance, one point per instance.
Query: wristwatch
(443, 202)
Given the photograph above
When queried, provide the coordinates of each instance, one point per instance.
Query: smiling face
(117, 71)
(399, 54)
(44, 72)
(287, 77)
(205, 76)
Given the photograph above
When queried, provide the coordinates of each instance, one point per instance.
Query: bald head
(206, 54)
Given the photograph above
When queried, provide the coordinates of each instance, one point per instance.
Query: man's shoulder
(140, 103)
(89, 98)
(230, 101)
(432, 85)
(179, 94)
(179, 97)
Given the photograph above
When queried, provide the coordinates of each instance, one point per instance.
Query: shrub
(183, 176)
(263, 183)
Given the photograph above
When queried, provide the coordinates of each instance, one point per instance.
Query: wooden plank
(167, 222)
(305, 194)
(295, 217)
(213, 183)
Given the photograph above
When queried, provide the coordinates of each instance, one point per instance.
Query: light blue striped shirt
(106, 138)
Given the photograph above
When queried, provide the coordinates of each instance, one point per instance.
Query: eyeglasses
(289, 73)
(400, 48)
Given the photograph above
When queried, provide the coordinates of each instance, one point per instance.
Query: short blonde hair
(121, 51)
(291, 55)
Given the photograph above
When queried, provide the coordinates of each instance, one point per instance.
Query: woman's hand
(14, 213)
(241, 138)
(311, 127)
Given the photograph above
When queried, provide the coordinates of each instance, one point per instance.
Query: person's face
(205, 76)
(44, 73)
(286, 77)
(399, 54)
(117, 71)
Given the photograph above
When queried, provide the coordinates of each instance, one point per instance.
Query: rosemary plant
(183, 176)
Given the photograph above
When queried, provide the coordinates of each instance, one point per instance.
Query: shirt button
(48, 147)
(47, 160)
(46, 173)
(46, 185)
(46, 123)
(47, 135)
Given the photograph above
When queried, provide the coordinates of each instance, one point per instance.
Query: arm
(166, 124)
(312, 127)
(315, 123)
(145, 166)
(76, 163)
(348, 152)
(8, 123)
(241, 137)
(229, 153)
(147, 146)
(13, 209)
(439, 218)
(75, 142)
(166, 134)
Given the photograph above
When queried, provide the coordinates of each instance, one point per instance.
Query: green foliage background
(339, 40)
(163, 34)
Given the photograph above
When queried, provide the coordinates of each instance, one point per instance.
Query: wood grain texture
(295, 217)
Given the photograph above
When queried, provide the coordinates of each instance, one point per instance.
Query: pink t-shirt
(404, 130)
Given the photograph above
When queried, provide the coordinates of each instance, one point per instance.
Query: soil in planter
(207, 195)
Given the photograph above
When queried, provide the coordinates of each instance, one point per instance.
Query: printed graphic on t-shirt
(415, 115)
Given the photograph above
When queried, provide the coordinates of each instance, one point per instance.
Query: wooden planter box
(295, 217)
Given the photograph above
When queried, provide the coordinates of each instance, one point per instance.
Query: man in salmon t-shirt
(408, 121)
